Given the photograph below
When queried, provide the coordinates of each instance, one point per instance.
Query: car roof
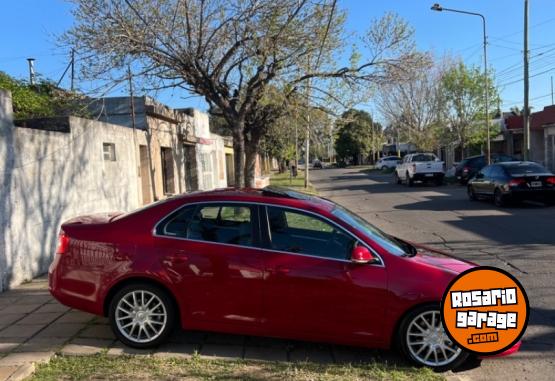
(269, 195)
(513, 163)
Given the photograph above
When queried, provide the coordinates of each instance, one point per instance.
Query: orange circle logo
(485, 310)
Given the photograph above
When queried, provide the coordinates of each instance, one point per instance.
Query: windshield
(390, 243)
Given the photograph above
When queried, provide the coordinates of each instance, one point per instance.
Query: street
(518, 239)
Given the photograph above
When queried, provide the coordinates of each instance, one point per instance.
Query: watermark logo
(485, 310)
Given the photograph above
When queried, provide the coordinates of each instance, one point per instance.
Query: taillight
(550, 180)
(63, 243)
(466, 169)
(516, 182)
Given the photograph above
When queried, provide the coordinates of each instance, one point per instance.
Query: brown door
(145, 174)
(191, 179)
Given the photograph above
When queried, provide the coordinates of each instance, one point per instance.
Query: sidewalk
(34, 327)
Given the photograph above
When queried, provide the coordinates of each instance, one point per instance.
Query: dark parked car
(513, 181)
(470, 166)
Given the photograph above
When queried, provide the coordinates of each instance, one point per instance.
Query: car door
(210, 250)
(496, 176)
(312, 289)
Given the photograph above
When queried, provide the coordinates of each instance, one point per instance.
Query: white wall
(48, 177)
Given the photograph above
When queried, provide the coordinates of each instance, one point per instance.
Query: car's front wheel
(424, 342)
(142, 315)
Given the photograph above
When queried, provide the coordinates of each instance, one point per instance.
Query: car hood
(441, 259)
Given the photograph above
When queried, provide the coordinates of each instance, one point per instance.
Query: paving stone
(40, 318)
(351, 355)
(17, 330)
(21, 308)
(84, 347)
(34, 299)
(224, 339)
(9, 318)
(53, 307)
(75, 317)
(177, 350)
(61, 330)
(191, 337)
(120, 349)
(25, 358)
(7, 300)
(7, 345)
(98, 331)
(22, 372)
(38, 344)
(261, 341)
(265, 354)
(222, 351)
(7, 371)
(318, 354)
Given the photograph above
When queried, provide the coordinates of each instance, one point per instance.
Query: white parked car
(420, 167)
(388, 162)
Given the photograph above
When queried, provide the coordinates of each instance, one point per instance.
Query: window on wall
(207, 171)
(109, 151)
(167, 171)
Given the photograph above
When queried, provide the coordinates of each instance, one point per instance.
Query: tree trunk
(250, 164)
(239, 153)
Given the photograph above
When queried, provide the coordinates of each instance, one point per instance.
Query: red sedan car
(266, 262)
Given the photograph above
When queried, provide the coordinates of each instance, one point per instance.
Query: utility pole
(72, 69)
(31, 62)
(525, 116)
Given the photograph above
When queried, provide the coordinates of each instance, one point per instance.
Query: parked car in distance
(469, 166)
(420, 167)
(388, 162)
(513, 181)
(269, 262)
(317, 164)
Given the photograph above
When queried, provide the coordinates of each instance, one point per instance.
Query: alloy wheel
(427, 341)
(141, 316)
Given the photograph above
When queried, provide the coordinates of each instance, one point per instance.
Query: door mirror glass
(361, 254)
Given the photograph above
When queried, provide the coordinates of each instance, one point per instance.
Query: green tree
(41, 100)
(356, 136)
(462, 91)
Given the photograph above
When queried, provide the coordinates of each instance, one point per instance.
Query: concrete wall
(48, 177)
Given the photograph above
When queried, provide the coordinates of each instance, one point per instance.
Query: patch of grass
(295, 183)
(103, 367)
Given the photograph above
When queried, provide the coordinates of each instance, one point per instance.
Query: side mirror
(361, 254)
(479, 175)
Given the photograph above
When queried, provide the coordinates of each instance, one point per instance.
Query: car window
(423, 157)
(486, 171)
(303, 233)
(497, 171)
(523, 169)
(225, 223)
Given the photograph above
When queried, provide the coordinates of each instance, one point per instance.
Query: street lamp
(439, 8)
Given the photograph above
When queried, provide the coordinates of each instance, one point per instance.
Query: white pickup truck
(420, 167)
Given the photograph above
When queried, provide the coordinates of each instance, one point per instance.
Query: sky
(30, 28)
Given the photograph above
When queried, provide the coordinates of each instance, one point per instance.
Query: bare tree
(414, 104)
(230, 51)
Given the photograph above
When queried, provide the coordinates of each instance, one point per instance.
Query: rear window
(525, 169)
(423, 157)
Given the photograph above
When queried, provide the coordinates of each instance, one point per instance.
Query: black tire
(439, 182)
(397, 178)
(470, 193)
(167, 307)
(409, 180)
(498, 198)
(403, 338)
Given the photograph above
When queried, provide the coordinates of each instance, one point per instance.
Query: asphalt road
(518, 239)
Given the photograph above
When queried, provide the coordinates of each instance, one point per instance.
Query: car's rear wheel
(498, 198)
(471, 194)
(397, 178)
(142, 315)
(424, 342)
(410, 182)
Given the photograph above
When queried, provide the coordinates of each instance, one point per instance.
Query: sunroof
(272, 190)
